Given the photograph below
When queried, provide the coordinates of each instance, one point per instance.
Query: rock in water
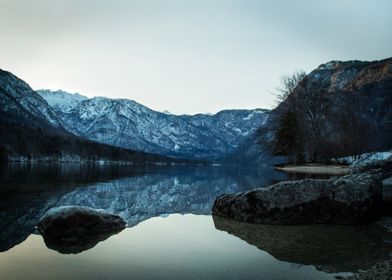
(352, 199)
(73, 229)
(75, 221)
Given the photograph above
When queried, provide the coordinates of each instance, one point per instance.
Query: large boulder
(351, 199)
(72, 229)
(383, 170)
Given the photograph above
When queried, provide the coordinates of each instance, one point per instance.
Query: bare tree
(303, 113)
(288, 85)
(285, 119)
(312, 104)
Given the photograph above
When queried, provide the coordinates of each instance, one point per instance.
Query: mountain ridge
(242, 135)
(31, 131)
(359, 119)
(126, 123)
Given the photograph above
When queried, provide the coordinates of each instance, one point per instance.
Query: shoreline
(316, 169)
(381, 270)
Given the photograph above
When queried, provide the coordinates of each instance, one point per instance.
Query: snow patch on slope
(61, 100)
(128, 124)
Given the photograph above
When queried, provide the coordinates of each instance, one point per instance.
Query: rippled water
(170, 234)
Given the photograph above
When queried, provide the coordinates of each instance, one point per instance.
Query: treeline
(315, 122)
(20, 140)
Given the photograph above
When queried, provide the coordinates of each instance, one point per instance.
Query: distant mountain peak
(61, 100)
(128, 124)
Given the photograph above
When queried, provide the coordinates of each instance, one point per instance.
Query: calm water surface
(170, 233)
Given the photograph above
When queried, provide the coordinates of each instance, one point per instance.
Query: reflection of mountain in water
(28, 191)
(139, 198)
(135, 194)
(329, 248)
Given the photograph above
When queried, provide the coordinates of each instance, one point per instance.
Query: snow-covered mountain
(126, 123)
(18, 101)
(32, 130)
(61, 100)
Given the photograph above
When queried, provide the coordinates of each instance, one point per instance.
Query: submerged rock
(72, 229)
(351, 199)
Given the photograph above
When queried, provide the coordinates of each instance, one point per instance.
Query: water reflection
(76, 246)
(176, 247)
(138, 194)
(329, 248)
(135, 193)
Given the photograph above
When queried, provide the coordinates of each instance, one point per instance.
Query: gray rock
(387, 195)
(78, 223)
(387, 182)
(382, 168)
(351, 199)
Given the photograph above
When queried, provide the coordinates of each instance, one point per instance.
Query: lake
(170, 232)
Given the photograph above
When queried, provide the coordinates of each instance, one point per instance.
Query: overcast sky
(185, 56)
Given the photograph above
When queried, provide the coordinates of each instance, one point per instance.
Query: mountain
(61, 100)
(31, 129)
(256, 149)
(20, 103)
(128, 124)
(355, 116)
(366, 86)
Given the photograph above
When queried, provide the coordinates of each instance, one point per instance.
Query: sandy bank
(316, 169)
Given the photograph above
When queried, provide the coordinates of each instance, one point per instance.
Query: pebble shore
(382, 271)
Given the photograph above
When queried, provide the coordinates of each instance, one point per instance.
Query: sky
(185, 56)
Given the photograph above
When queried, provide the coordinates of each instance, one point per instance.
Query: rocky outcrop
(360, 108)
(352, 199)
(78, 227)
(367, 86)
